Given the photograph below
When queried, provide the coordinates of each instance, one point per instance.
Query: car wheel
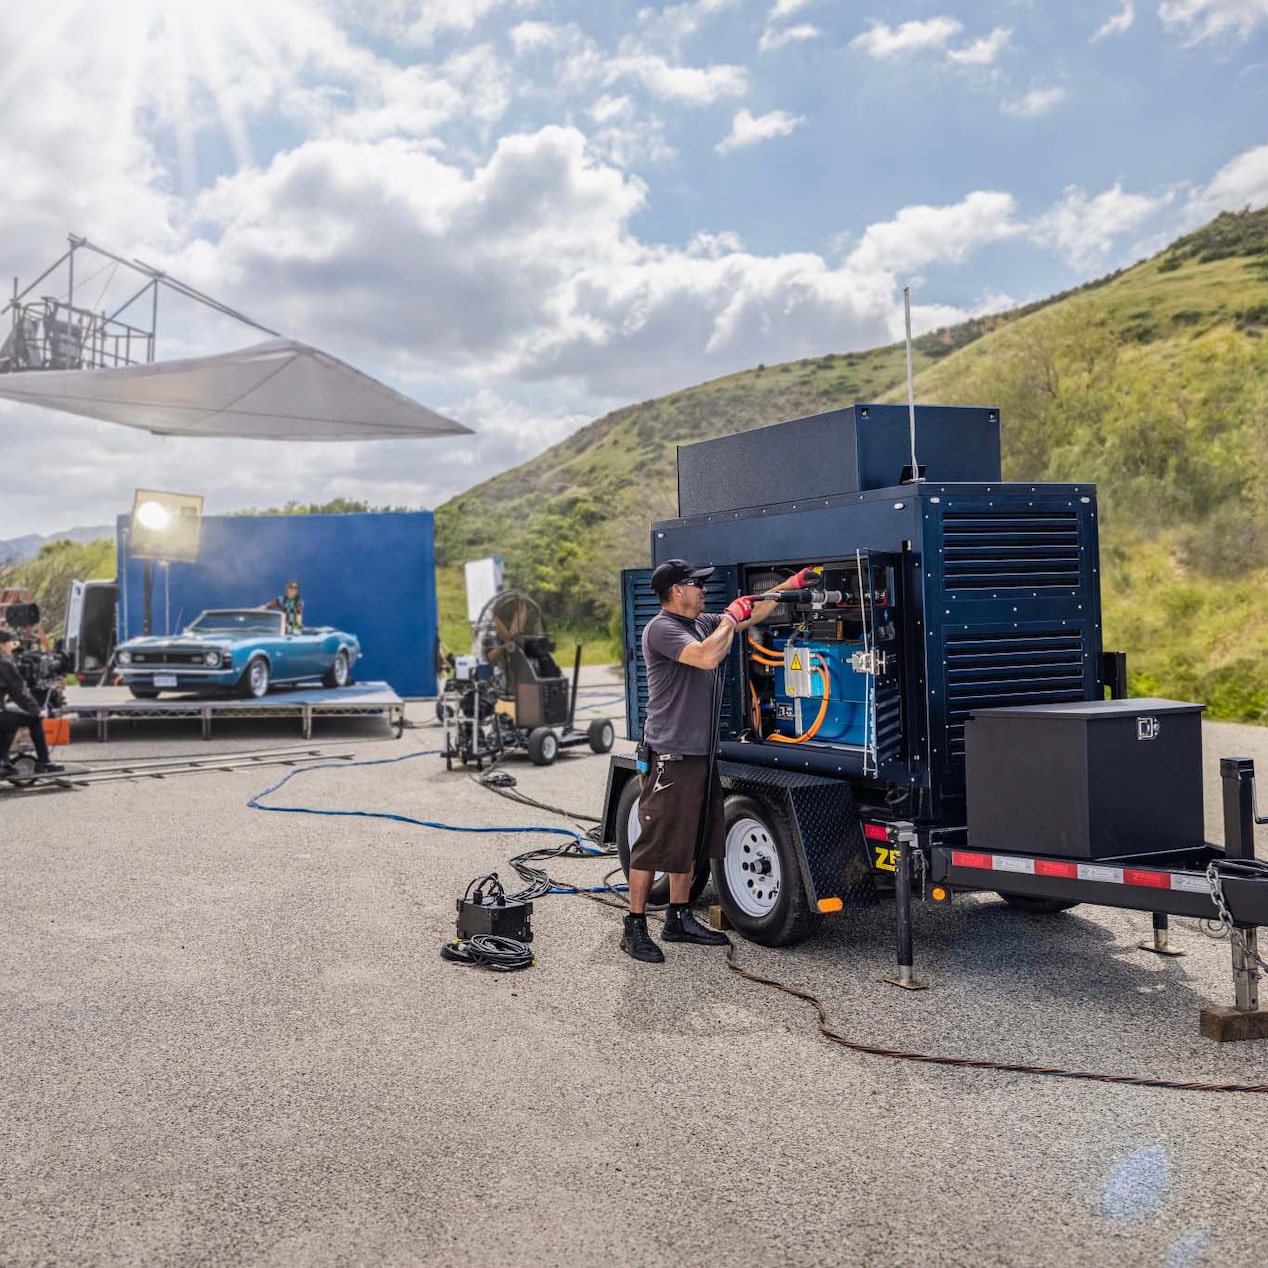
(339, 674)
(627, 830)
(543, 746)
(254, 683)
(601, 735)
(144, 693)
(759, 880)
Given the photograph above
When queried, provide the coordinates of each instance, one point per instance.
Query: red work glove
(739, 609)
(806, 579)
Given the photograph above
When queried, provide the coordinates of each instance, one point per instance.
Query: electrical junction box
(502, 917)
(1101, 779)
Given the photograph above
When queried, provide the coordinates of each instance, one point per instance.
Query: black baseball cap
(8, 636)
(673, 571)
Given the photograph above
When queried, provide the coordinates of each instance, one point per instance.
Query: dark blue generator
(942, 685)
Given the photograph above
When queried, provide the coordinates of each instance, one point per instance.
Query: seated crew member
(24, 712)
(290, 602)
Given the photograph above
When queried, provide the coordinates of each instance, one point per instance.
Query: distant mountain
(17, 550)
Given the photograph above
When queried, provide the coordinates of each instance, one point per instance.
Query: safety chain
(1245, 868)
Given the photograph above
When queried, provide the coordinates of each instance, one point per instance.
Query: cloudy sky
(527, 212)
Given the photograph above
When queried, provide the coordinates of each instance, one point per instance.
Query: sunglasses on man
(695, 582)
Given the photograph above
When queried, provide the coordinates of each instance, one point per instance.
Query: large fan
(511, 635)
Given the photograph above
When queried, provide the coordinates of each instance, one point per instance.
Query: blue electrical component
(846, 718)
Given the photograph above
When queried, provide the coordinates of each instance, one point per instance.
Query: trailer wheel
(759, 881)
(1036, 906)
(543, 746)
(627, 830)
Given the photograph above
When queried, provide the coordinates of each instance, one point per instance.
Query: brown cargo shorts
(669, 809)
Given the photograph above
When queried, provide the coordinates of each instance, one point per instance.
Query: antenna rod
(911, 387)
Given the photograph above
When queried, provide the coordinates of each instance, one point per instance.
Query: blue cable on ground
(255, 802)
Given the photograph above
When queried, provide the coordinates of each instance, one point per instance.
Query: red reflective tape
(964, 858)
(1158, 880)
(875, 832)
(1051, 867)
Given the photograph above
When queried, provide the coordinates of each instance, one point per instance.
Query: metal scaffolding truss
(66, 331)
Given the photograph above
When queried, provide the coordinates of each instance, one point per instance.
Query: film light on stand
(166, 526)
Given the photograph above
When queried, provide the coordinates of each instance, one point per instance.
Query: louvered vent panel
(993, 670)
(1004, 550)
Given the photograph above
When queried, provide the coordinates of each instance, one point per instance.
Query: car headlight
(212, 658)
(125, 658)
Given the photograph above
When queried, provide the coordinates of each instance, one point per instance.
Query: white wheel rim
(550, 746)
(607, 735)
(752, 867)
(259, 677)
(341, 669)
(633, 826)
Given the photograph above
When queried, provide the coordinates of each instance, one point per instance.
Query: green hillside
(1152, 382)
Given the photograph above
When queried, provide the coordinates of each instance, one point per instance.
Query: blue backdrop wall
(373, 575)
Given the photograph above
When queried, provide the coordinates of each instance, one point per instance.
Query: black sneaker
(682, 926)
(636, 941)
(48, 768)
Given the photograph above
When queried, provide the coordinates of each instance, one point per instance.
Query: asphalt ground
(228, 1038)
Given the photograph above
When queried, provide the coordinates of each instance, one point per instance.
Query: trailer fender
(836, 863)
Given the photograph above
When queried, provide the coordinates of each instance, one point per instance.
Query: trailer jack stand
(901, 835)
(1161, 944)
(1245, 1020)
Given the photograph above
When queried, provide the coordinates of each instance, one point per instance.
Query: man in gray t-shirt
(683, 645)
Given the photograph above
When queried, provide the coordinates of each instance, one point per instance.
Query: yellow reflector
(830, 904)
(939, 894)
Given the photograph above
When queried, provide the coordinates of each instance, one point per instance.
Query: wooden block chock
(1229, 1025)
(717, 918)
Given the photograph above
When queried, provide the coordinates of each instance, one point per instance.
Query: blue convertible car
(245, 650)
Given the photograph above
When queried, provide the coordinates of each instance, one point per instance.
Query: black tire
(340, 673)
(627, 818)
(601, 734)
(1036, 906)
(440, 708)
(144, 693)
(543, 746)
(758, 834)
(254, 683)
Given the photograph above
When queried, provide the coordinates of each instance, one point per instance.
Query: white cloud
(749, 129)
(921, 235)
(679, 22)
(1213, 19)
(527, 37)
(782, 9)
(1083, 229)
(881, 41)
(983, 51)
(1118, 24)
(687, 85)
(1241, 182)
(1036, 102)
(773, 38)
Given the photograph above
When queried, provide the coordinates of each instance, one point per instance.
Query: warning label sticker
(796, 662)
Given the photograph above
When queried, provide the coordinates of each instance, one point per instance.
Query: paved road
(228, 1039)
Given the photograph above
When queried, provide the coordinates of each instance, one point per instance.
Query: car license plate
(165, 680)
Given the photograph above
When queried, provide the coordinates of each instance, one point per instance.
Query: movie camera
(42, 670)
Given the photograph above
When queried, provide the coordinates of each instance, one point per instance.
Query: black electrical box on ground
(1102, 779)
(491, 914)
(847, 450)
